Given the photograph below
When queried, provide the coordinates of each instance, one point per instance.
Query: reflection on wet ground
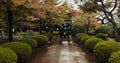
(67, 52)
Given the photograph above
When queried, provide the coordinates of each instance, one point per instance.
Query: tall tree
(87, 20)
(9, 9)
(51, 12)
(107, 7)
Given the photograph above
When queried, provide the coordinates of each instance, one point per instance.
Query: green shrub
(102, 36)
(41, 40)
(55, 33)
(48, 35)
(90, 43)
(101, 29)
(115, 57)
(7, 56)
(104, 49)
(77, 29)
(30, 41)
(22, 50)
(80, 35)
(83, 39)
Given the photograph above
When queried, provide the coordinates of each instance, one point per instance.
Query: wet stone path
(67, 52)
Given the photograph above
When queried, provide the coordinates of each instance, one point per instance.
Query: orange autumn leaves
(12, 4)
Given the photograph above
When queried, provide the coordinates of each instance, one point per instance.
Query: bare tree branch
(114, 6)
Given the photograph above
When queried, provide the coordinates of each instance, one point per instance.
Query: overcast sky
(71, 2)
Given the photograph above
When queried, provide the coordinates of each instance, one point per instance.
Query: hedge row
(31, 42)
(7, 56)
(20, 51)
(115, 57)
(80, 36)
(41, 40)
(105, 51)
(90, 43)
(102, 36)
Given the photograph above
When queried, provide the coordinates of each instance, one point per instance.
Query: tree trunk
(115, 31)
(87, 29)
(10, 24)
(114, 27)
(40, 27)
(87, 26)
(110, 18)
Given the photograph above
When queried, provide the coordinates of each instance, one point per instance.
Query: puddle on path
(64, 53)
(67, 52)
(80, 55)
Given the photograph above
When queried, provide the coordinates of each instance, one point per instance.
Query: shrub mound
(41, 40)
(48, 35)
(76, 29)
(91, 42)
(80, 35)
(7, 56)
(22, 50)
(30, 41)
(101, 29)
(104, 49)
(84, 38)
(115, 57)
(102, 36)
(55, 33)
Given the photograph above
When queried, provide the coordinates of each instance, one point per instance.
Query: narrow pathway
(65, 56)
(80, 55)
(67, 52)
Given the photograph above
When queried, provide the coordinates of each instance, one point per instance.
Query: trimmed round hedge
(55, 33)
(7, 56)
(101, 29)
(91, 42)
(48, 35)
(41, 40)
(104, 49)
(102, 36)
(30, 41)
(115, 57)
(83, 39)
(80, 35)
(22, 50)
